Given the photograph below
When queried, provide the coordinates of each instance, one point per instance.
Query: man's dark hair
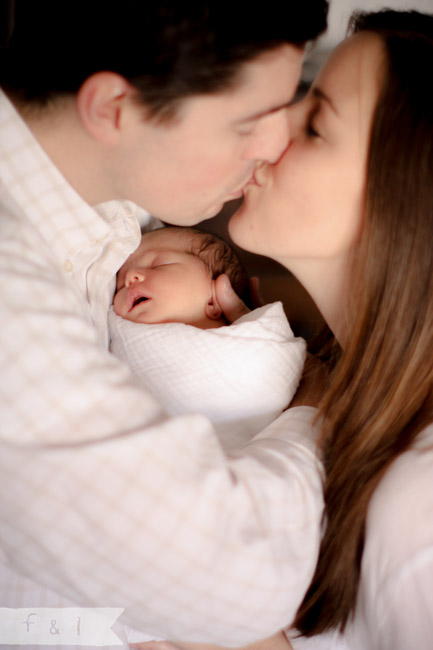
(168, 50)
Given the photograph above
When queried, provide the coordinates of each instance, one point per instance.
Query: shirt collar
(36, 185)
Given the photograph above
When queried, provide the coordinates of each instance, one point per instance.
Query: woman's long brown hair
(381, 395)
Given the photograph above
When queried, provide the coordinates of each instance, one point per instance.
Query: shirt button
(68, 266)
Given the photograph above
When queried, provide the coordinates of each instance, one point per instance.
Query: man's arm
(113, 504)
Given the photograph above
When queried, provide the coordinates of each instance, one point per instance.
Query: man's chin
(192, 220)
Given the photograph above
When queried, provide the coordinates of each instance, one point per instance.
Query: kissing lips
(240, 192)
(259, 177)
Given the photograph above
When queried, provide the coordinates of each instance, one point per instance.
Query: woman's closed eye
(311, 131)
(311, 126)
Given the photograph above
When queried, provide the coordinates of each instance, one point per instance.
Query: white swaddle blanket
(241, 376)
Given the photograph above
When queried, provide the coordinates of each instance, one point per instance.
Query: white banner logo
(59, 625)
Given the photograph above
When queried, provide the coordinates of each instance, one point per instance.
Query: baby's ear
(212, 309)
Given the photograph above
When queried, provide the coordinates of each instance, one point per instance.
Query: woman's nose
(132, 276)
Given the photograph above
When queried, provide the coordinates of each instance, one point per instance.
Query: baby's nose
(132, 276)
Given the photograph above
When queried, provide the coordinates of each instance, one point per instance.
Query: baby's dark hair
(219, 257)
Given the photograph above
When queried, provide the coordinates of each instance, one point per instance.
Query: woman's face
(309, 204)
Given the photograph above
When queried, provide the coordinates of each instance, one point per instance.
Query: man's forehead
(279, 70)
(261, 86)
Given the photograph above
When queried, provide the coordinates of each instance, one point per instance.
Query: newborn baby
(168, 327)
(170, 278)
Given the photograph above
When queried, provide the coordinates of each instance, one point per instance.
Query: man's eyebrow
(267, 111)
(319, 94)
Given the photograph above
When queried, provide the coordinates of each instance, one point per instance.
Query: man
(110, 503)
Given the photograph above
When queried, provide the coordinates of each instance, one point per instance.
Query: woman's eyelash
(311, 122)
(311, 131)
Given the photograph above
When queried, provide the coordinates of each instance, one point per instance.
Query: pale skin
(313, 234)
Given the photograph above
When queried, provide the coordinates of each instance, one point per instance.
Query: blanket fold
(241, 376)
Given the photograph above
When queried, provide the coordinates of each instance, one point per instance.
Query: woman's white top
(395, 602)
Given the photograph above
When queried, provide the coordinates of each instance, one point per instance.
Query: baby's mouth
(137, 301)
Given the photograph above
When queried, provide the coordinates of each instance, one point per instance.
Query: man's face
(185, 170)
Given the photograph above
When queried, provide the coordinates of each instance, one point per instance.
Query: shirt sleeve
(112, 503)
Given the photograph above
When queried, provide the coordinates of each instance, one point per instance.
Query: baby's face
(162, 282)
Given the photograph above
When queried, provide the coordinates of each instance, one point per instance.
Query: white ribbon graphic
(59, 625)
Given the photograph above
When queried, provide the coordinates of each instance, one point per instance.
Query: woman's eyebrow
(319, 94)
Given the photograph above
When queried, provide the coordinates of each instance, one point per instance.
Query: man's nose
(272, 137)
(132, 276)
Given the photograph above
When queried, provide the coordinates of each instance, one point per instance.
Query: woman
(349, 210)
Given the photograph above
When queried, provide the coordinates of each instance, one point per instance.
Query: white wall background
(338, 17)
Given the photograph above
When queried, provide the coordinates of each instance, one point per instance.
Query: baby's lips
(134, 296)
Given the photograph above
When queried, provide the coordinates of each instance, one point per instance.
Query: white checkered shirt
(106, 500)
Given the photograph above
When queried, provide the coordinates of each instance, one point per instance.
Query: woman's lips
(252, 181)
(260, 173)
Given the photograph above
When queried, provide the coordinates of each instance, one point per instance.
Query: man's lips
(236, 195)
(239, 193)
